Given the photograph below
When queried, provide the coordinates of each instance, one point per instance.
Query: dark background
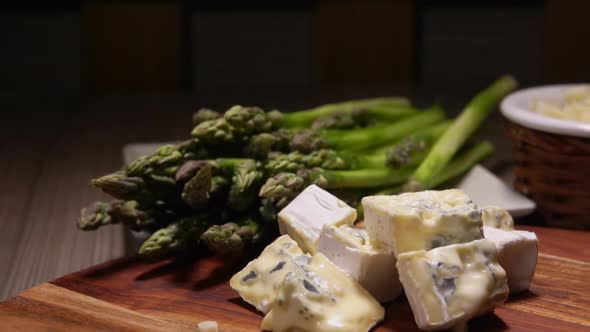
(223, 52)
(79, 79)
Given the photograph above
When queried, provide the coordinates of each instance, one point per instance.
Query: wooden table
(128, 294)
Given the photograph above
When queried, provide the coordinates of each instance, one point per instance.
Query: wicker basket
(554, 170)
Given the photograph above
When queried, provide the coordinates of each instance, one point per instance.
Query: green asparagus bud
(196, 191)
(245, 184)
(294, 161)
(307, 141)
(248, 120)
(205, 114)
(215, 132)
(124, 187)
(96, 215)
(232, 237)
(409, 152)
(341, 120)
(260, 145)
(177, 237)
(128, 213)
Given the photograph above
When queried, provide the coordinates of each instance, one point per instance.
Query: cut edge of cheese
(517, 253)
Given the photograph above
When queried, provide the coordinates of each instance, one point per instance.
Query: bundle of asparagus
(223, 187)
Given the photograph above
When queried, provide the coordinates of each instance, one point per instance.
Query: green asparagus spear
(362, 139)
(205, 114)
(458, 166)
(167, 159)
(231, 238)
(245, 184)
(464, 126)
(129, 213)
(384, 107)
(260, 145)
(323, 158)
(176, 237)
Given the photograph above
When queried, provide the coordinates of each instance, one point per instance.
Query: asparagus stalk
(176, 237)
(365, 138)
(260, 145)
(231, 238)
(324, 158)
(205, 114)
(128, 213)
(460, 165)
(245, 184)
(362, 117)
(464, 126)
(385, 106)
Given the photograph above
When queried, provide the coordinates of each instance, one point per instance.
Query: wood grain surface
(128, 294)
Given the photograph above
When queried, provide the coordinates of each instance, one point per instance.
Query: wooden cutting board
(131, 295)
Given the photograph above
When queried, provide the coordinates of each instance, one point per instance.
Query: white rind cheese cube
(349, 248)
(497, 217)
(258, 282)
(305, 216)
(422, 220)
(449, 285)
(321, 298)
(517, 253)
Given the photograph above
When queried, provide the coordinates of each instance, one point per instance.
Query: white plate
(487, 189)
(480, 184)
(517, 108)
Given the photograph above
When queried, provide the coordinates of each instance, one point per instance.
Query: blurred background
(79, 79)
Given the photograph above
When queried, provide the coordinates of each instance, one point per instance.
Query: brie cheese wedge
(349, 248)
(305, 216)
(517, 253)
(322, 298)
(449, 285)
(422, 220)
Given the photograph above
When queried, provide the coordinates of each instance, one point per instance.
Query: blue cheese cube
(258, 282)
(349, 248)
(305, 216)
(497, 217)
(449, 285)
(322, 298)
(422, 220)
(517, 253)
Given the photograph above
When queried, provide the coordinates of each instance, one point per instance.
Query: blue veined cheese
(449, 285)
(517, 254)
(349, 248)
(305, 216)
(422, 220)
(322, 298)
(258, 282)
(497, 217)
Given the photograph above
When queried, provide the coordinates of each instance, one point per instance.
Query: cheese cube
(517, 253)
(497, 217)
(208, 326)
(259, 280)
(305, 216)
(422, 220)
(374, 268)
(449, 285)
(322, 298)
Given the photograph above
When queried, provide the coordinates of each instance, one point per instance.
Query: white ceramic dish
(517, 108)
(480, 184)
